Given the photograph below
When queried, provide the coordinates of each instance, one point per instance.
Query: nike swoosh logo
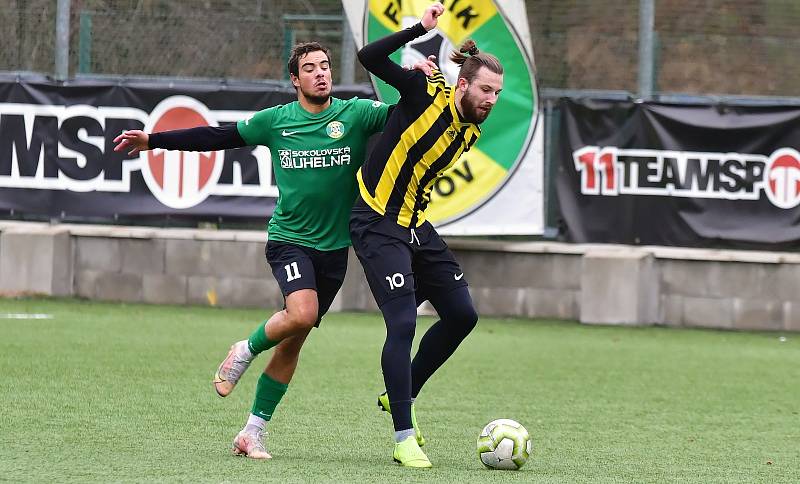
(458, 276)
(288, 133)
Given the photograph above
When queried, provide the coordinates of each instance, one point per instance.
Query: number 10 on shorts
(395, 280)
(292, 272)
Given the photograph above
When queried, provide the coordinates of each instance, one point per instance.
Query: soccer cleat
(231, 369)
(251, 445)
(408, 454)
(383, 404)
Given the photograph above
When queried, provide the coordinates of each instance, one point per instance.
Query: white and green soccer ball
(504, 444)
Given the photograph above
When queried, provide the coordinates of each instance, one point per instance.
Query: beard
(473, 112)
(317, 99)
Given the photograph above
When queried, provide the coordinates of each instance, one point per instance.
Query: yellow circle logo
(335, 129)
(507, 134)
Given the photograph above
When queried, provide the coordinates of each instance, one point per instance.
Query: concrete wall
(36, 259)
(595, 284)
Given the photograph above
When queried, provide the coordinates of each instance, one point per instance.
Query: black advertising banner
(57, 158)
(683, 175)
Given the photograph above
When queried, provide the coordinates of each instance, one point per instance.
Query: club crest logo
(335, 129)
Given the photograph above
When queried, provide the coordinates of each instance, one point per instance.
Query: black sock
(400, 316)
(441, 340)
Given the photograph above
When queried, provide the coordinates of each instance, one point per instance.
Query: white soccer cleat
(232, 368)
(251, 444)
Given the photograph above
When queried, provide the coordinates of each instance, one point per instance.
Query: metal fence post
(62, 40)
(348, 69)
(288, 43)
(647, 11)
(85, 43)
(551, 167)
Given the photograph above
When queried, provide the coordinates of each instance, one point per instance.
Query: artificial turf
(112, 392)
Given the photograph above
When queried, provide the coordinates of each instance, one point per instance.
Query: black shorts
(296, 267)
(398, 262)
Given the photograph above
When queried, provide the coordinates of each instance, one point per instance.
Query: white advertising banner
(497, 187)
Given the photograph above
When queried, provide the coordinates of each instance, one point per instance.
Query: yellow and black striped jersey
(424, 136)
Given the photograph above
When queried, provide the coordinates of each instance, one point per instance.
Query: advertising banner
(57, 158)
(495, 188)
(684, 175)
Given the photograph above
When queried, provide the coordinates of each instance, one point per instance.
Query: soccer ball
(504, 444)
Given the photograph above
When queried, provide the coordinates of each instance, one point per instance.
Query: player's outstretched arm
(133, 141)
(203, 138)
(375, 56)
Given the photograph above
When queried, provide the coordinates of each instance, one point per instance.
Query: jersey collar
(303, 112)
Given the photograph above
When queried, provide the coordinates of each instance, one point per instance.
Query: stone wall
(595, 284)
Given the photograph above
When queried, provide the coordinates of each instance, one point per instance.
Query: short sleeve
(373, 115)
(255, 130)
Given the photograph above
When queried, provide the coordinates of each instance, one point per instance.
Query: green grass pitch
(109, 392)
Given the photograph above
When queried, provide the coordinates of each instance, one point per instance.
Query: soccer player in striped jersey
(317, 143)
(404, 259)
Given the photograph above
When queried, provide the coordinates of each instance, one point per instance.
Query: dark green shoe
(383, 404)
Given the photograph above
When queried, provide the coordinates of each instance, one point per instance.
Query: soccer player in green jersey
(317, 145)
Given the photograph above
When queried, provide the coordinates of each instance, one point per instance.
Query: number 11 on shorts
(292, 272)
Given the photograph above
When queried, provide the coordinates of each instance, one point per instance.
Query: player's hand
(133, 140)
(426, 66)
(431, 14)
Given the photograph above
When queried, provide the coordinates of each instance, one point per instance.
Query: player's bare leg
(298, 318)
(282, 365)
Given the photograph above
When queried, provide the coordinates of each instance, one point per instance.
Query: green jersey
(315, 158)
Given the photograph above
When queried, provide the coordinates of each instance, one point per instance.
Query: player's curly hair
(471, 60)
(302, 49)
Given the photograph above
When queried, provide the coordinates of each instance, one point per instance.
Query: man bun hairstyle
(468, 48)
(471, 60)
(302, 49)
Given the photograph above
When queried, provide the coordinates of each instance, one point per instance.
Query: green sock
(268, 394)
(258, 341)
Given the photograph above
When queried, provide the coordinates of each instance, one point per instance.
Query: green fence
(739, 47)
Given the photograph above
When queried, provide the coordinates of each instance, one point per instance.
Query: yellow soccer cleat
(383, 404)
(408, 454)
